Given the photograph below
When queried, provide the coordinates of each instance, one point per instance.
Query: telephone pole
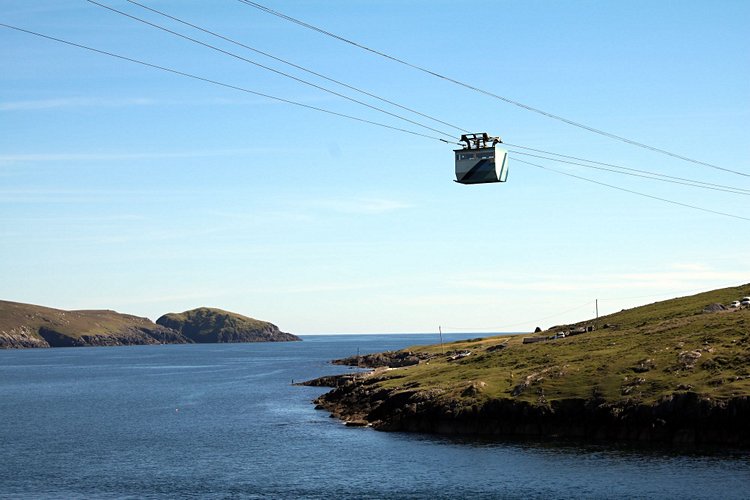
(596, 323)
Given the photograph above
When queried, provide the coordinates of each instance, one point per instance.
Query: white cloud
(678, 278)
(362, 205)
(330, 287)
(116, 156)
(108, 219)
(23, 195)
(292, 210)
(689, 266)
(265, 216)
(99, 102)
(74, 102)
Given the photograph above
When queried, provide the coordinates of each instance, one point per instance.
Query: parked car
(735, 303)
(745, 301)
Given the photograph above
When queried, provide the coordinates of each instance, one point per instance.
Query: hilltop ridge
(212, 325)
(28, 325)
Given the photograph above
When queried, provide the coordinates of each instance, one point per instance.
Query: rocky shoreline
(681, 418)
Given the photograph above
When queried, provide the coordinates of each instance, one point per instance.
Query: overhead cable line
(694, 207)
(323, 110)
(268, 68)
(535, 321)
(302, 68)
(297, 66)
(649, 174)
(733, 188)
(369, 94)
(645, 175)
(672, 293)
(221, 84)
(490, 94)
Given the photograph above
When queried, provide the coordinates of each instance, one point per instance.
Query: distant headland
(27, 325)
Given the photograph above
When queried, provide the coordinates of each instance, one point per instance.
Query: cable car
(480, 160)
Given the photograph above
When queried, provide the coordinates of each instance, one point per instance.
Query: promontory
(209, 325)
(674, 372)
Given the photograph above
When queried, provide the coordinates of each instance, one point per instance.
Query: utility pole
(440, 329)
(596, 324)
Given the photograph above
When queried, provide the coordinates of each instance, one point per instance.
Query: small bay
(225, 421)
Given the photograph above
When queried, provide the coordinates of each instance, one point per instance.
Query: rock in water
(209, 325)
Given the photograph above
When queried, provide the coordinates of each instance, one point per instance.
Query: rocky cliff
(214, 325)
(683, 418)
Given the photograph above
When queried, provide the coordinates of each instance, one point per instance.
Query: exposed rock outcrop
(21, 336)
(389, 359)
(681, 418)
(713, 308)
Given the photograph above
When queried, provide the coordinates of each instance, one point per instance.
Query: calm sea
(224, 421)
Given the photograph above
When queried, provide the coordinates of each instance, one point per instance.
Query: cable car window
(485, 156)
(466, 156)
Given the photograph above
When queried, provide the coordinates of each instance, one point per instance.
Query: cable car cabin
(481, 160)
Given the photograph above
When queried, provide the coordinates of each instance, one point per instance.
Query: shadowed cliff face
(214, 325)
(680, 419)
(133, 335)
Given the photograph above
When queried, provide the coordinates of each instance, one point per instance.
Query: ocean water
(224, 421)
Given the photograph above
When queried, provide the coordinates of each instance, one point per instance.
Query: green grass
(74, 324)
(206, 322)
(649, 352)
(22, 324)
(211, 318)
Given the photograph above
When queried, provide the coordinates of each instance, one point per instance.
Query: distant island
(673, 372)
(27, 325)
(207, 325)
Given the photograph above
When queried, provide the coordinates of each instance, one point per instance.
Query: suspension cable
(215, 82)
(620, 167)
(694, 207)
(490, 94)
(296, 66)
(648, 175)
(268, 68)
(535, 321)
(645, 175)
(307, 106)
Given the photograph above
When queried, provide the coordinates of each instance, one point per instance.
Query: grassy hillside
(207, 324)
(643, 354)
(27, 325)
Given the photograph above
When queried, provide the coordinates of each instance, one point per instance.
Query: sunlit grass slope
(643, 354)
(27, 325)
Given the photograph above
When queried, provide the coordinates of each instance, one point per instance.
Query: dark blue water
(224, 421)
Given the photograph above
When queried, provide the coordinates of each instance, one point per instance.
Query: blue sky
(128, 188)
